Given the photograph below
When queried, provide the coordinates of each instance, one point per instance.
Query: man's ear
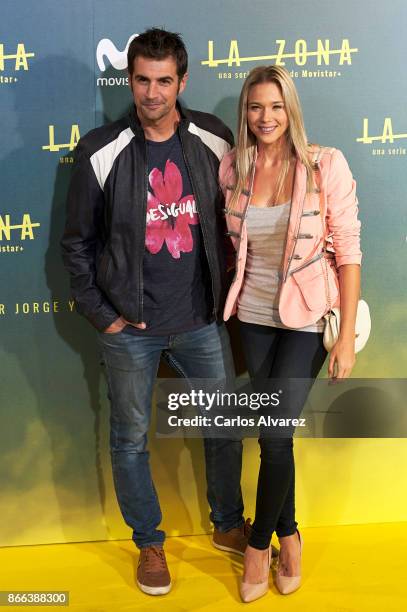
(183, 83)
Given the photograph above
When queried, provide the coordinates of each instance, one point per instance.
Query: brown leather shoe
(153, 576)
(235, 540)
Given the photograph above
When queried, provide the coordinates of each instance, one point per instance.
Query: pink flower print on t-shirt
(168, 215)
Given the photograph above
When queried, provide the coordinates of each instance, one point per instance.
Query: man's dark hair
(158, 44)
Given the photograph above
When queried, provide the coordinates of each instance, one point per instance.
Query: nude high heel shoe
(249, 591)
(288, 584)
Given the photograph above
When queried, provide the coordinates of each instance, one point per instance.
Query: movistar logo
(107, 49)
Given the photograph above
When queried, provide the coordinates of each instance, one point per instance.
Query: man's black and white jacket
(104, 238)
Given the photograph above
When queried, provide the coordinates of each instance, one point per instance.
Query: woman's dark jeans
(273, 353)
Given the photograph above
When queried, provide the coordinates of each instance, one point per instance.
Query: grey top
(259, 298)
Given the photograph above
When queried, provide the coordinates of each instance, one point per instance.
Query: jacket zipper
(202, 224)
(144, 222)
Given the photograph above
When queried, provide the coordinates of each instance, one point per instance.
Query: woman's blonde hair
(246, 141)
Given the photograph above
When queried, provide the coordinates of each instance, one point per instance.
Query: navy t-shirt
(177, 293)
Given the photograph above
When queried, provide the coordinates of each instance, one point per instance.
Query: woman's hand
(342, 358)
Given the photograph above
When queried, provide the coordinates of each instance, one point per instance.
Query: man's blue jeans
(131, 367)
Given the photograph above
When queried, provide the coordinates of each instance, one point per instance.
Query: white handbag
(362, 326)
(332, 318)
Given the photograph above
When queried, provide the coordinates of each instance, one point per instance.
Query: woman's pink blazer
(330, 211)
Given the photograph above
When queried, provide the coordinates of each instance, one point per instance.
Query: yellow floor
(352, 568)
